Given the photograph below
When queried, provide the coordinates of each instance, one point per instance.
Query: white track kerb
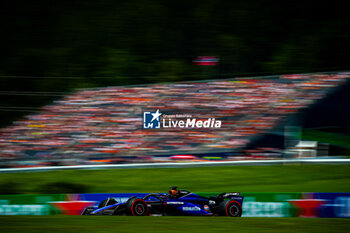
(187, 164)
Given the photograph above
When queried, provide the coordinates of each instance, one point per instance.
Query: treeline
(85, 43)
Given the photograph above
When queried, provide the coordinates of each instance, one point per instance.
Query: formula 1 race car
(177, 202)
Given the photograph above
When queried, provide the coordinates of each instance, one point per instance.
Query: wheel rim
(233, 210)
(139, 209)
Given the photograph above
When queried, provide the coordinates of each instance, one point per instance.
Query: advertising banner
(29, 204)
(293, 204)
(266, 204)
(335, 205)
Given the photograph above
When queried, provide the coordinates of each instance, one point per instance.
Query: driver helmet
(173, 191)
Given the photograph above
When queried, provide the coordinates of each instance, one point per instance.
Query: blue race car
(177, 202)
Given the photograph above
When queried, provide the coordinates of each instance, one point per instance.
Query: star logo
(151, 120)
(155, 115)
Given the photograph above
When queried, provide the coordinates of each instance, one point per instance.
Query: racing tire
(136, 207)
(230, 208)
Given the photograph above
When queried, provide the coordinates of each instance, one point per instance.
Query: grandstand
(105, 125)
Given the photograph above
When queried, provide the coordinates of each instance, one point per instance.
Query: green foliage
(104, 43)
(326, 137)
(121, 39)
(9, 187)
(62, 187)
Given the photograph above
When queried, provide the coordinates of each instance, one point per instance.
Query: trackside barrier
(294, 204)
(29, 204)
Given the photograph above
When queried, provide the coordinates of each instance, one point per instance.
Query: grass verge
(278, 178)
(125, 224)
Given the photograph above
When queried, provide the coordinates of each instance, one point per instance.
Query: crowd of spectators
(105, 124)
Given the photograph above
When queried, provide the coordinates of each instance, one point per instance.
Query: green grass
(123, 224)
(287, 178)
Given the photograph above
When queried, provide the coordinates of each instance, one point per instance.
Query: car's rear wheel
(230, 208)
(136, 207)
